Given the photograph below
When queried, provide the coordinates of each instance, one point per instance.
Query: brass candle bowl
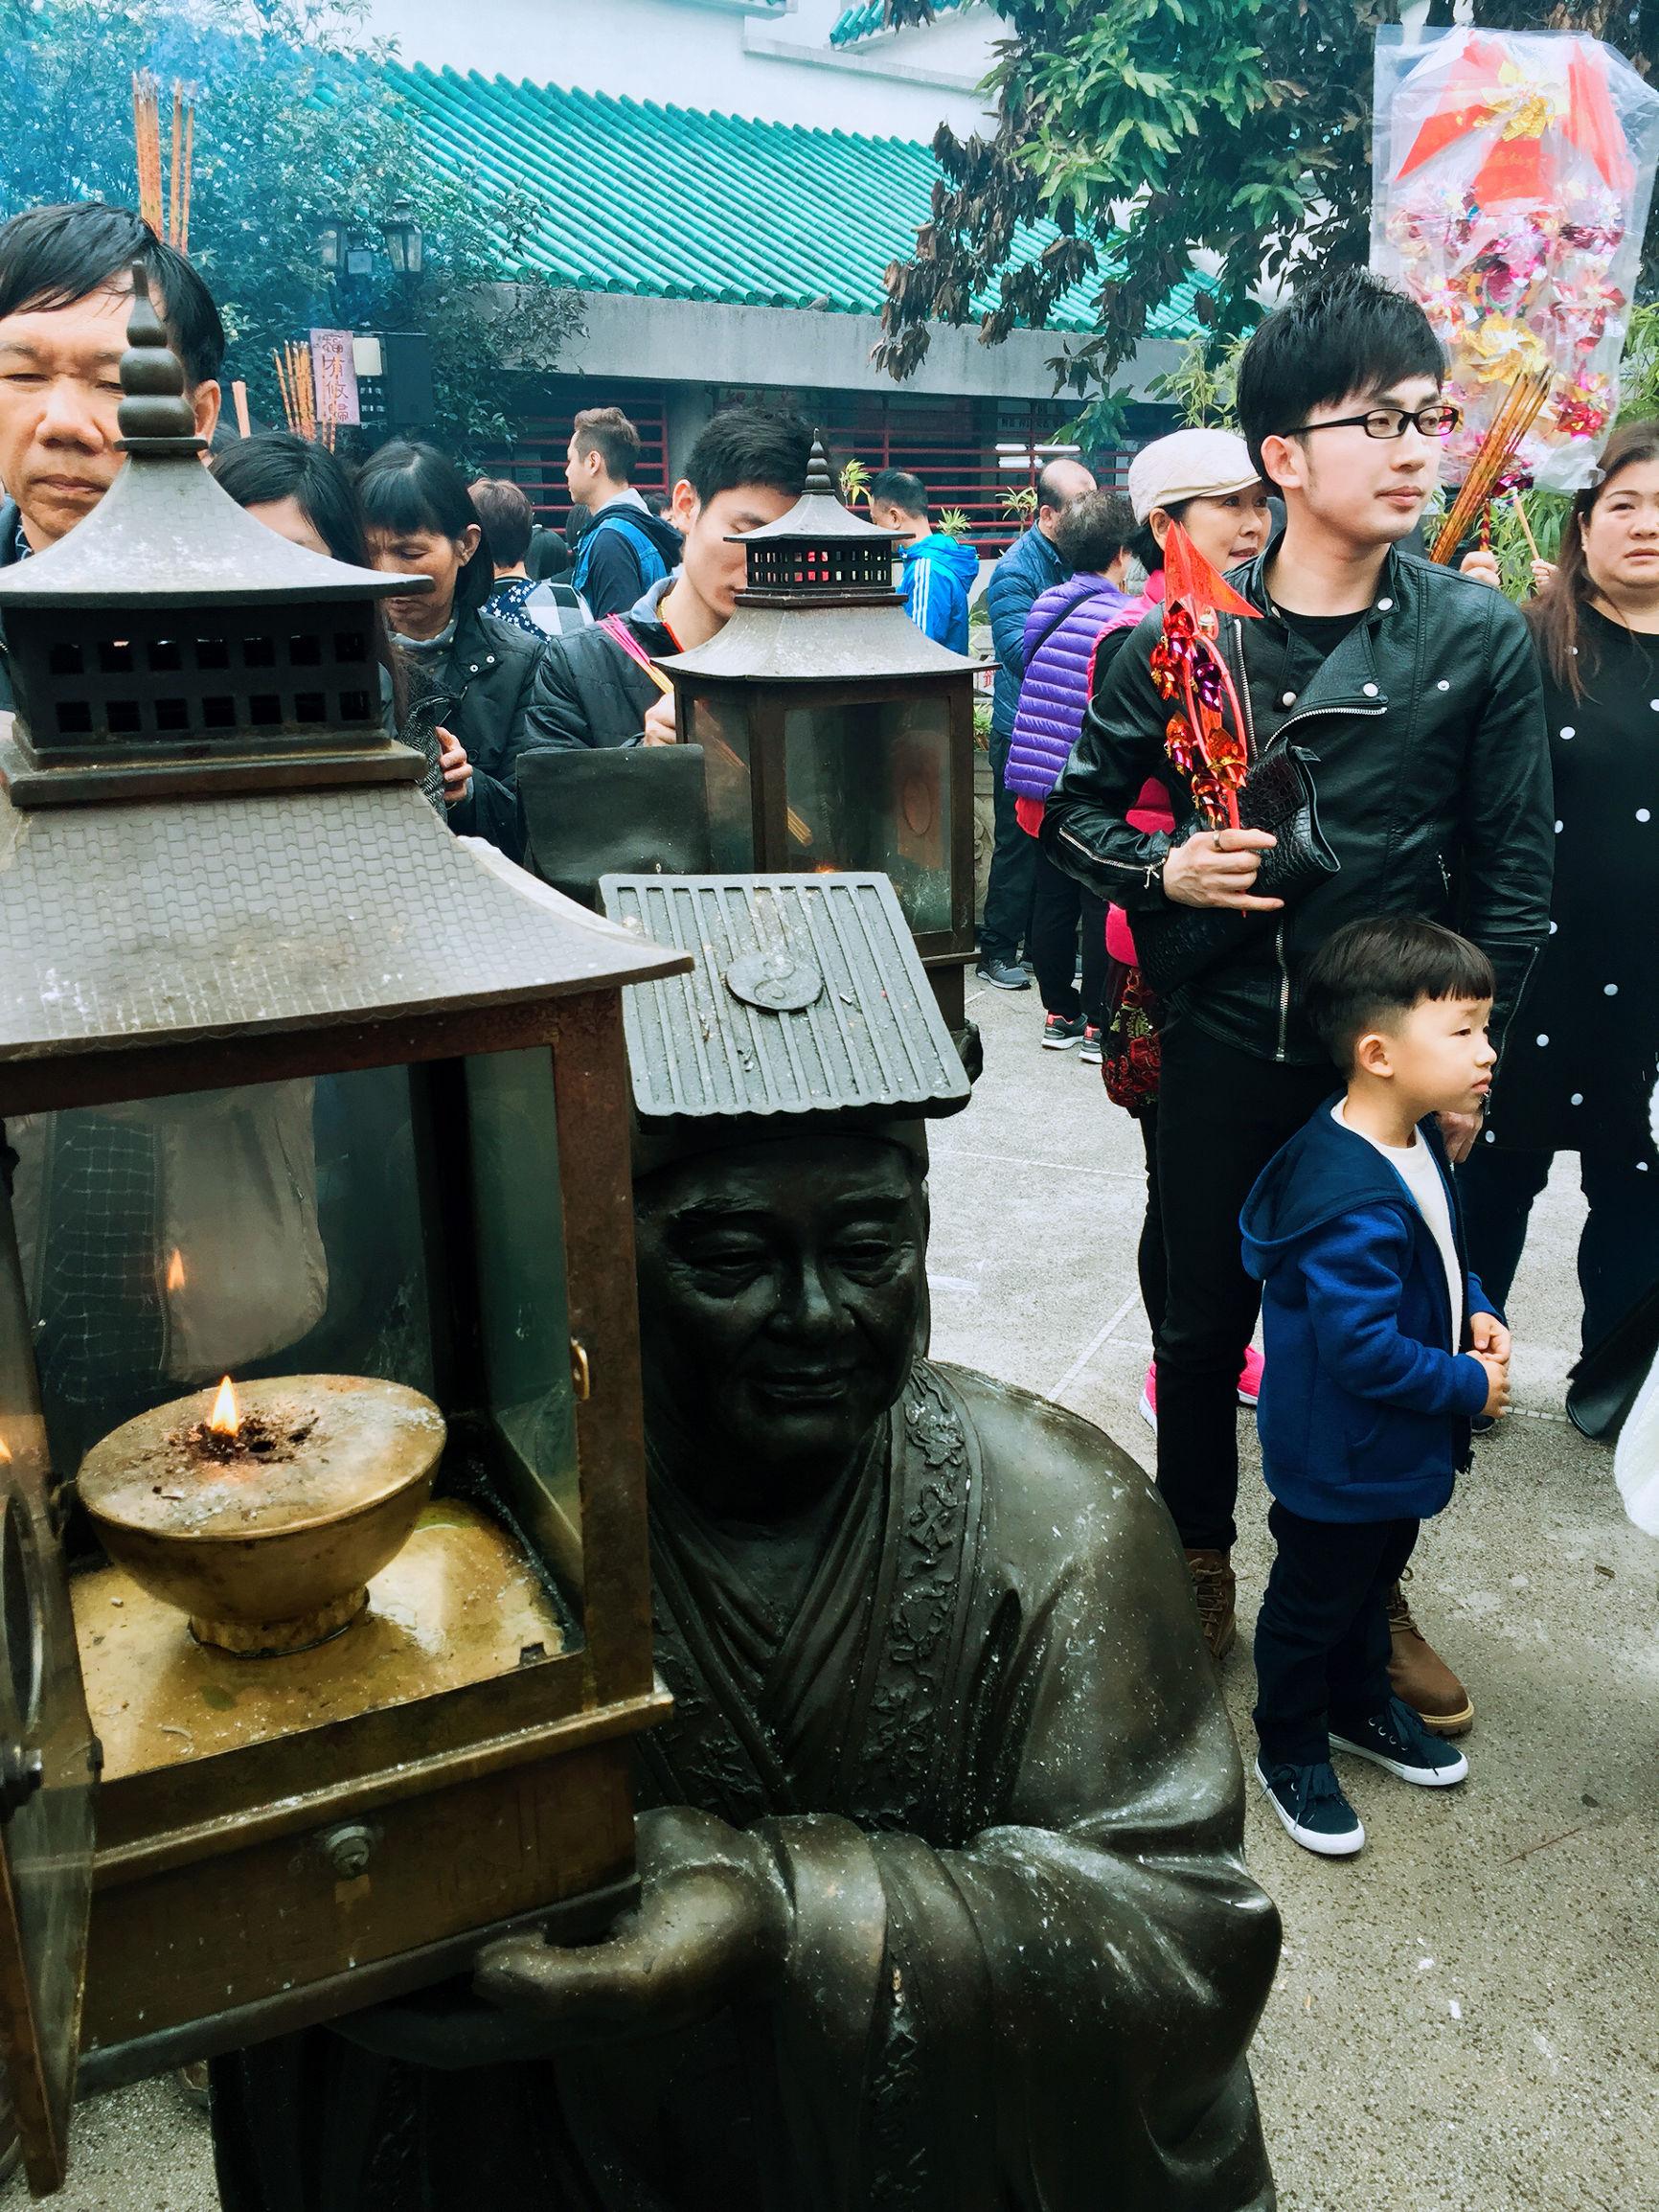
(265, 1524)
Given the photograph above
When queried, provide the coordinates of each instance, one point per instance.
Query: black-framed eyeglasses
(1438, 419)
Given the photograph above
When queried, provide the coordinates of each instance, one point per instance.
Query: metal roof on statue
(819, 604)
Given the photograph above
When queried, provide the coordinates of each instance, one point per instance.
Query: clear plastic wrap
(1512, 173)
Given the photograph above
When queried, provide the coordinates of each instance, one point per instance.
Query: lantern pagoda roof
(165, 534)
(819, 604)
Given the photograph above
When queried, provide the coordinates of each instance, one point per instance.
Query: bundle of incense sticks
(147, 142)
(1522, 403)
(293, 363)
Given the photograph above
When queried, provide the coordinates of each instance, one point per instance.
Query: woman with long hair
(1578, 1065)
(419, 520)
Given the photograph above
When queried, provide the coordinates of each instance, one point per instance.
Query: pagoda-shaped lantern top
(836, 733)
(171, 637)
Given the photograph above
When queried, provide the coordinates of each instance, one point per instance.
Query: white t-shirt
(1416, 1168)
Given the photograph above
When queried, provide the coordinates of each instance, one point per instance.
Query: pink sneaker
(1250, 1377)
(1249, 1387)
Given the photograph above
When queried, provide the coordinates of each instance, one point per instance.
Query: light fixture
(404, 245)
(331, 244)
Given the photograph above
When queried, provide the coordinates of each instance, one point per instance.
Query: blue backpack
(652, 565)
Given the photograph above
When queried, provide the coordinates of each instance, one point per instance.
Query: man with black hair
(748, 467)
(1412, 695)
(627, 547)
(1028, 569)
(938, 572)
(65, 298)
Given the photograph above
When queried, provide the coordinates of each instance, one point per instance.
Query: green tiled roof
(678, 203)
(863, 21)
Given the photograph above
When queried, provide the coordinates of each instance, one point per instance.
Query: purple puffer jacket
(1060, 635)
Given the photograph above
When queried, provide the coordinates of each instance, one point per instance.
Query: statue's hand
(712, 1927)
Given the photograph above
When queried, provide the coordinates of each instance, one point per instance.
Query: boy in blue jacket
(1382, 1348)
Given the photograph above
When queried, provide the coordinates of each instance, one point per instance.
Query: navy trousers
(1322, 1636)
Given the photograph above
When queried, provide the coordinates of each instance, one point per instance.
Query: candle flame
(5, 1453)
(225, 1419)
(176, 1270)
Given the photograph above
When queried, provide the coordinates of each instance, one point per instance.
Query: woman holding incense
(1578, 1068)
(419, 520)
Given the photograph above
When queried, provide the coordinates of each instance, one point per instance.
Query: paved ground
(1464, 2019)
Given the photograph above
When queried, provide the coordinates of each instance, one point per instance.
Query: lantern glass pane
(273, 1229)
(520, 1225)
(868, 787)
(722, 727)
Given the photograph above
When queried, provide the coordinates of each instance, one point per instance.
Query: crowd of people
(1480, 786)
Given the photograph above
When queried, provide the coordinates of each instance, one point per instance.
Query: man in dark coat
(943, 1904)
(65, 296)
(748, 467)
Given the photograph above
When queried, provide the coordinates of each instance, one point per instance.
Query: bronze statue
(943, 1899)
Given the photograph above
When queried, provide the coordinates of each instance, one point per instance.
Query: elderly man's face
(60, 390)
(781, 1286)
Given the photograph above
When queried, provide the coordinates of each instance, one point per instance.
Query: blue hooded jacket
(1365, 1404)
(938, 574)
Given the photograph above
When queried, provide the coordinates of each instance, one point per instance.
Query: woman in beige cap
(1203, 480)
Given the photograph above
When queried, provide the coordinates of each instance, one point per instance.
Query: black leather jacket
(1431, 769)
(490, 669)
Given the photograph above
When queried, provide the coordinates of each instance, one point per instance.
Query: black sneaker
(1309, 1801)
(1004, 974)
(1059, 1035)
(1397, 1741)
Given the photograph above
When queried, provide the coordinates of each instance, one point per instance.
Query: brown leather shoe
(1419, 1675)
(1216, 1593)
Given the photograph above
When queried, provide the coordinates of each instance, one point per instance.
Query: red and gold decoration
(1207, 734)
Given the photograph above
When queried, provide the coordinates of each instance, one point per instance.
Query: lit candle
(264, 1513)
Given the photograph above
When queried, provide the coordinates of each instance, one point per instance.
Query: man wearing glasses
(1415, 691)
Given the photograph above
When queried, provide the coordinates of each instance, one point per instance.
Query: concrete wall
(733, 55)
(702, 342)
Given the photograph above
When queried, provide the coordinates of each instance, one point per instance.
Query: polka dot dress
(1579, 1065)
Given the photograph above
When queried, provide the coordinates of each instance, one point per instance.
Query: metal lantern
(331, 244)
(404, 244)
(836, 733)
(324, 1617)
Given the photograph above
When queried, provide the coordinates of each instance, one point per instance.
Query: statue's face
(780, 1287)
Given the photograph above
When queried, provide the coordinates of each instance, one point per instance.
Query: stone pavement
(1464, 2020)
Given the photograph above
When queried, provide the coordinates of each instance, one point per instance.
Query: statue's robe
(983, 1741)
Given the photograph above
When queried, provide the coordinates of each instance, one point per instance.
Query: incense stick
(239, 401)
(177, 147)
(146, 145)
(1520, 507)
(182, 240)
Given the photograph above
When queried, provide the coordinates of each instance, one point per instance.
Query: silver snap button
(1370, 691)
(1287, 699)
(1385, 607)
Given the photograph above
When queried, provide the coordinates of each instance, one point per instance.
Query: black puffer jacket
(1433, 781)
(588, 692)
(492, 669)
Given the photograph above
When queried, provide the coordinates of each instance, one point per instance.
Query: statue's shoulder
(1042, 1462)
